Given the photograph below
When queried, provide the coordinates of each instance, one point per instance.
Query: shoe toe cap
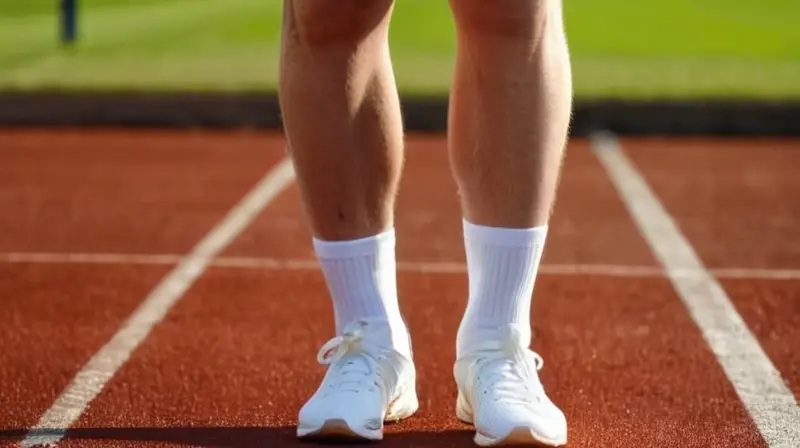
(361, 413)
(546, 423)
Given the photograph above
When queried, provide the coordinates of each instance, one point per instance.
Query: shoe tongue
(352, 369)
(378, 334)
(355, 362)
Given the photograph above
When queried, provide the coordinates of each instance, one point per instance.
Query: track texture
(234, 359)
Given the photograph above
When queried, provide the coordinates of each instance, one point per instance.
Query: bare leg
(341, 114)
(510, 111)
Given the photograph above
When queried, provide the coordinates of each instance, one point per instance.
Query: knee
(340, 21)
(503, 18)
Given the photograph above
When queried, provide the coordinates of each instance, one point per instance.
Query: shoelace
(507, 377)
(350, 342)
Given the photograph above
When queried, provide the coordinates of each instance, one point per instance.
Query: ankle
(475, 336)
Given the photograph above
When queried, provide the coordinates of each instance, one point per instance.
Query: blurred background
(681, 49)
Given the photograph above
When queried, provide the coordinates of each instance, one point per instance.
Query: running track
(159, 289)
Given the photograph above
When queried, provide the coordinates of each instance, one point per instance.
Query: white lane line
(424, 267)
(758, 383)
(757, 274)
(89, 258)
(72, 402)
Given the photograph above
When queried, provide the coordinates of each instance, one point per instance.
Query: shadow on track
(241, 437)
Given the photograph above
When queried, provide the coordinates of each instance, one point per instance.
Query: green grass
(619, 48)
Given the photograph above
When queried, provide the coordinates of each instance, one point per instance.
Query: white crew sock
(502, 265)
(362, 281)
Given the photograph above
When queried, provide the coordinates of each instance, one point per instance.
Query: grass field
(620, 49)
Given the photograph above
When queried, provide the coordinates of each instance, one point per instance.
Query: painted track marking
(424, 267)
(757, 382)
(92, 378)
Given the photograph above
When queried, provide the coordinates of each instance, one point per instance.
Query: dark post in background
(69, 21)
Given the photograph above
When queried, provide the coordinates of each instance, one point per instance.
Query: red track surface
(234, 359)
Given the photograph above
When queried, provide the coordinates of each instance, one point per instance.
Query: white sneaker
(499, 392)
(365, 385)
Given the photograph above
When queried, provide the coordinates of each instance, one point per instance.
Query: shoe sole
(402, 407)
(335, 428)
(520, 435)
